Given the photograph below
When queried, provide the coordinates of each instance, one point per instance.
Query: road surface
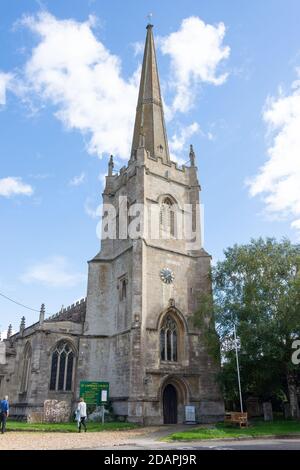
(148, 438)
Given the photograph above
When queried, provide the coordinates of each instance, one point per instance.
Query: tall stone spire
(149, 119)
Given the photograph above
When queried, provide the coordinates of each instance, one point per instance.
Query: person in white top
(81, 414)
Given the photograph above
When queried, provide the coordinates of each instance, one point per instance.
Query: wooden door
(170, 404)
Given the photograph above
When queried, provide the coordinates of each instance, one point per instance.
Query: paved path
(143, 438)
(55, 441)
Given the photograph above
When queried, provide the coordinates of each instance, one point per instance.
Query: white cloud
(72, 70)
(102, 178)
(5, 78)
(278, 180)
(13, 186)
(196, 51)
(179, 140)
(138, 47)
(52, 272)
(296, 224)
(78, 180)
(91, 210)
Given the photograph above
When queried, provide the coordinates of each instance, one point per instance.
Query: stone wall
(42, 339)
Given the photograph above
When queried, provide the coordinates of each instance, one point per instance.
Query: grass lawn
(223, 431)
(67, 427)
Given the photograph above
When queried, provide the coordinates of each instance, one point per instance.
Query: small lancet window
(123, 290)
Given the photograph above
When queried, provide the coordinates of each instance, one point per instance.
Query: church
(135, 328)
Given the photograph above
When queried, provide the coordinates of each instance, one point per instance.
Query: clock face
(167, 276)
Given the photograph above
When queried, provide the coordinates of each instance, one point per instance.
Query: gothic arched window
(168, 340)
(26, 368)
(167, 217)
(62, 367)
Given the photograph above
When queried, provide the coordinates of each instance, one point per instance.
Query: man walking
(4, 412)
(81, 414)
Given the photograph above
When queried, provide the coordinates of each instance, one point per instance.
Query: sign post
(238, 367)
(190, 415)
(103, 400)
(95, 393)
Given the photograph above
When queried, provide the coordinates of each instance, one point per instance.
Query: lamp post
(238, 368)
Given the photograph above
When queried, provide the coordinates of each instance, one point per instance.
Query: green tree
(257, 287)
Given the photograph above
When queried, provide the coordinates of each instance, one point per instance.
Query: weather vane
(149, 16)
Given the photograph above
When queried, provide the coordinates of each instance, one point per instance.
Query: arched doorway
(170, 404)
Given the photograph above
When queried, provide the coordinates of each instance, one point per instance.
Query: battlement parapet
(75, 313)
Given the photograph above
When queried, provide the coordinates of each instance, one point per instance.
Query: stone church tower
(138, 333)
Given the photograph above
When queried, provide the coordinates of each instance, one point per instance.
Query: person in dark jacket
(4, 413)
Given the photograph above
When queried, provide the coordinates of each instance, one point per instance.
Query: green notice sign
(94, 393)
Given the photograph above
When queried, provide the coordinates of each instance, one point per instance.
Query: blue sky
(230, 74)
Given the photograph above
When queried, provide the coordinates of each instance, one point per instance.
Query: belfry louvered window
(168, 340)
(167, 217)
(62, 367)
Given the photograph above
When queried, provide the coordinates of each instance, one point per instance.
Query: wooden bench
(235, 417)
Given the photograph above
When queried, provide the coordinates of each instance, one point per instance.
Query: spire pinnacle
(42, 314)
(22, 324)
(149, 111)
(110, 165)
(9, 331)
(192, 156)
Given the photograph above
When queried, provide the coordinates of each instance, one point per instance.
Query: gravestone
(268, 412)
(254, 407)
(287, 411)
(56, 411)
(96, 415)
(35, 417)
